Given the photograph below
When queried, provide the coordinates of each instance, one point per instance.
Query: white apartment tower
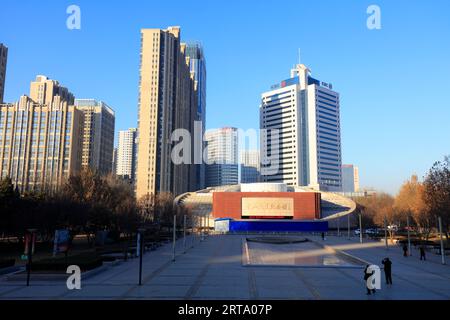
(126, 154)
(305, 114)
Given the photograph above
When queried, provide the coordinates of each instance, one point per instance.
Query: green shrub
(6, 263)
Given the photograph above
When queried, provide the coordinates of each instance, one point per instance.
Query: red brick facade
(229, 204)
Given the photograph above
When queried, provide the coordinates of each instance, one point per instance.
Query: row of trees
(422, 201)
(86, 203)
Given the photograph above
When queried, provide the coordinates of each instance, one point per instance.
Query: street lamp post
(348, 226)
(174, 236)
(385, 233)
(184, 234)
(338, 226)
(409, 238)
(360, 229)
(30, 243)
(442, 241)
(202, 235)
(140, 251)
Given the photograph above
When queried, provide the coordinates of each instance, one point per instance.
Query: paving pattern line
(300, 275)
(199, 280)
(253, 288)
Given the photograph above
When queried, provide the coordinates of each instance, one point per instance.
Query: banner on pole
(61, 243)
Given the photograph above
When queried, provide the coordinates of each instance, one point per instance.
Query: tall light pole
(348, 226)
(184, 234)
(409, 238)
(174, 236)
(338, 226)
(360, 228)
(140, 250)
(385, 233)
(203, 227)
(442, 241)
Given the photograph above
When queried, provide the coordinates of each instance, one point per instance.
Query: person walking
(367, 276)
(387, 263)
(323, 236)
(405, 250)
(422, 252)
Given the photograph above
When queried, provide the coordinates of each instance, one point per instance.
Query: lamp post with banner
(30, 242)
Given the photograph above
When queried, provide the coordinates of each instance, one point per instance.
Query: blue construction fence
(272, 226)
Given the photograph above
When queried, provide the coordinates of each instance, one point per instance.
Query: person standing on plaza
(405, 250)
(387, 263)
(422, 252)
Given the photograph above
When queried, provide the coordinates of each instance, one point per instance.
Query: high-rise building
(98, 135)
(3, 62)
(350, 178)
(222, 157)
(114, 161)
(198, 67)
(44, 90)
(39, 143)
(167, 101)
(303, 114)
(250, 166)
(126, 154)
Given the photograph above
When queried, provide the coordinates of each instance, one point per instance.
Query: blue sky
(394, 82)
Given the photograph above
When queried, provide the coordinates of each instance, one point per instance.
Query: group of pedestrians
(421, 250)
(387, 266)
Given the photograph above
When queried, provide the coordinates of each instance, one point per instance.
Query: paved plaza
(213, 269)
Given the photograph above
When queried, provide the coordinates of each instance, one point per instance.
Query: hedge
(86, 261)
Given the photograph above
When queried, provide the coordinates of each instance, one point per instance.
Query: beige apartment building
(43, 137)
(97, 144)
(39, 145)
(167, 100)
(3, 61)
(44, 90)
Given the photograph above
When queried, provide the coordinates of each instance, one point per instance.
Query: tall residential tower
(126, 154)
(3, 62)
(167, 101)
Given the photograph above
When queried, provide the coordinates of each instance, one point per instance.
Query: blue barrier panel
(278, 226)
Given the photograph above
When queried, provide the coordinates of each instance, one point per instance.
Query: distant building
(350, 178)
(197, 63)
(222, 157)
(48, 136)
(3, 62)
(126, 154)
(250, 166)
(98, 135)
(114, 161)
(306, 114)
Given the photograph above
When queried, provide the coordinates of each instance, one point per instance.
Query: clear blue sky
(394, 82)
